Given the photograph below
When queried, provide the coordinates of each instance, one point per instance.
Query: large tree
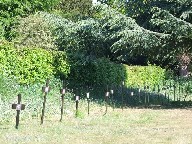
(10, 10)
(74, 9)
(169, 20)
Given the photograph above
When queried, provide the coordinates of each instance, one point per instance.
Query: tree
(10, 10)
(168, 20)
(74, 9)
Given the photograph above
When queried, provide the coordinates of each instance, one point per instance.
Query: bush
(140, 75)
(28, 65)
(60, 63)
(33, 32)
(10, 10)
(107, 72)
(99, 72)
(104, 72)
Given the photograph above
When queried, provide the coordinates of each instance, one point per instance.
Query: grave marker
(145, 94)
(122, 93)
(62, 92)
(77, 105)
(88, 101)
(139, 90)
(174, 91)
(106, 102)
(46, 90)
(18, 108)
(112, 98)
(132, 94)
(148, 95)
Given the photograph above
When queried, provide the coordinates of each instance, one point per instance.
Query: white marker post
(106, 102)
(88, 102)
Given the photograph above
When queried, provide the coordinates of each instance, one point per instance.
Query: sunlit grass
(128, 126)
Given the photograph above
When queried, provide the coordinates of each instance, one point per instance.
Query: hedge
(98, 72)
(28, 65)
(144, 75)
(102, 71)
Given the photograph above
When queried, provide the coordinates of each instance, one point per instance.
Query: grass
(127, 126)
(138, 126)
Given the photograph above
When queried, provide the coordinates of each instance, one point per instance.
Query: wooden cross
(77, 105)
(122, 94)
(45, 90)
(139, 91)
(88, 102)
(112, 98)
(62, 92)
(88, 99)
(18, 108)
(106, 101)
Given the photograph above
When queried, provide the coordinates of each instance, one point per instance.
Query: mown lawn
(130, 126)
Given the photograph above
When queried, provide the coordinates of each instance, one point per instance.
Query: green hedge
(141, 75)
(28, 65)
(98, 72)
(102, 72)
(107, 72)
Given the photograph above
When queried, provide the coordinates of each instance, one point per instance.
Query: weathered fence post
(122, 94)
(106, 102)
(88, 102)
(112, 98)
(45, 90)
(174, 90)
(62, 92)
(77, 105)
(18, 108)
(139, 91)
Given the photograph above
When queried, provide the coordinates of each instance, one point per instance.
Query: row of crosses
(46, 89)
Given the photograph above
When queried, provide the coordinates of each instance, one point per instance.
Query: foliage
(99, 72)
(144, 75)
(33, 32)
(108, 72)
(28, 65)
(82, 40)
(74, 9)
(60, 64)
(60, 28)
(109, 34)
(167, 21)
(12, 9)
(8, 87)
(125, 38)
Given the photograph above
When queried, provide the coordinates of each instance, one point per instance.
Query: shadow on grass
(126, 97)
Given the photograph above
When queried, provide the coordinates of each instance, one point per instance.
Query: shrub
(33, 32)
(60, 63)
(140, 75)
(99, 72)
(28, 65)
(108, 72)
(102, 72)
(10, 10)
